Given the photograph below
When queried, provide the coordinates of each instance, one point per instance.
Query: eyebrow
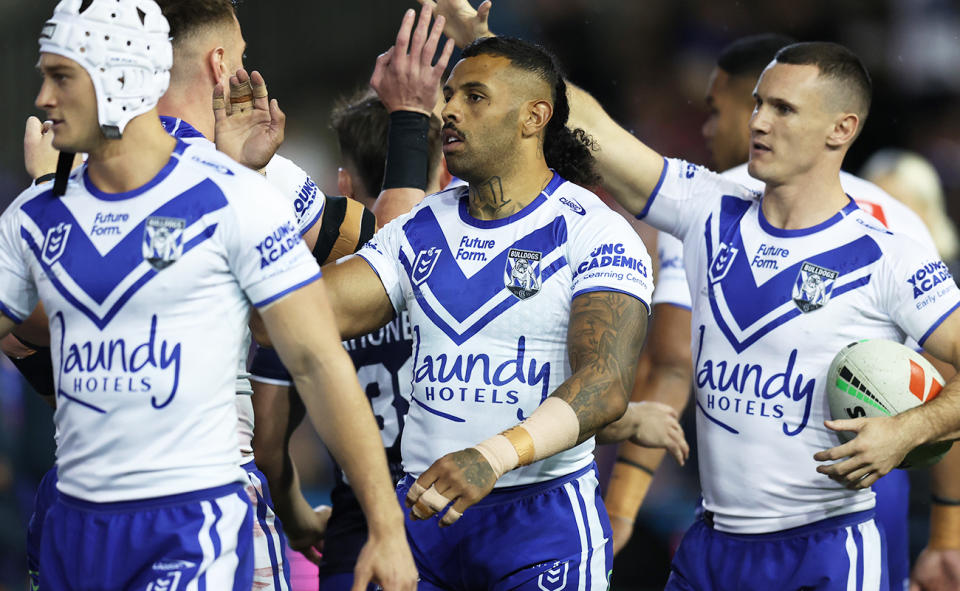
(52, 69)
(469, 86)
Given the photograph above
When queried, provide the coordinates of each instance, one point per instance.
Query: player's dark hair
(189, 16)
(362, 123)
(836, 62)
(568, 151)
(748, 56)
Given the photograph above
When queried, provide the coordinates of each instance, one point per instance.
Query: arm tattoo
(476, 469)
(604, 339)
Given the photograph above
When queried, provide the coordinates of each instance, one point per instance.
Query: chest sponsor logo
(722, 261)
(425, 262)
(472, 249)
(163, 241)
(522, 273)
(554, 578)
(811, 290)
(55, 243)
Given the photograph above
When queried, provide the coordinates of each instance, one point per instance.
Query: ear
(536, 117)
(344, 182)
(216, 67)
(844, 130)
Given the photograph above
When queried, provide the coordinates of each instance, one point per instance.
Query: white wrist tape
(552, 428)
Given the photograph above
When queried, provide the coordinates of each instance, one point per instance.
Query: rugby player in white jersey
(727, 133)
(150, 235)
(518, 509)
(762, 347)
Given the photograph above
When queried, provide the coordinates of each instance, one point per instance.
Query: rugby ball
(880, 378)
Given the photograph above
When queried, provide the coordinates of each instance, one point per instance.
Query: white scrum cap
(125, 47)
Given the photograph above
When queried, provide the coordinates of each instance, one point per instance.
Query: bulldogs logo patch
(812, 289)
(163, 241)
(522, 273)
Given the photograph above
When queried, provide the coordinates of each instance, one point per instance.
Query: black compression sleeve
(407, 152)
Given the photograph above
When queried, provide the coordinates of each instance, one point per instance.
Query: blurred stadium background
(646, 60)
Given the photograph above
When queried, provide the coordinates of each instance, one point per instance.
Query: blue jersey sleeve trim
(936, 324)
(656, 191)
(615, 290)
(276, 297)
(312, 222)
(6, 312)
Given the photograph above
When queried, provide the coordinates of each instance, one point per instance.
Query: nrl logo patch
(425, 262)
(812, 289)
(163, 241)
(722, 261)
(55, 243)
(522, 273)
(554, 579)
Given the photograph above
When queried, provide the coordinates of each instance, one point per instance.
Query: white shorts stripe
(872, 555)
(581, 529)
(222, 572)
(852, 559)
(598, 563)
(206, 544)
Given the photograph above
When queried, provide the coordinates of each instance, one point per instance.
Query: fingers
(33, 128)
(403, 35)
(835, 453)
(444, 59)
(854, 425)
(455, 512)
(258, 88)
(379, 70)
(313, 555)
(241, 91)
(430, 47)
(219, 103)
(418, 42)
(430, 3)
(483, 11)
(431, 501)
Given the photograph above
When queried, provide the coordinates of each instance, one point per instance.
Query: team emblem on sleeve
(163, 241)
(55, 243)
(813, 286)
(522, 273)
(425, 262)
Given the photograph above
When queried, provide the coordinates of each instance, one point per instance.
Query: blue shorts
(203, 536)
(45, 498)
(845, 553)
(271, 571)
(547, 536)
(340, 582)
(893, 500)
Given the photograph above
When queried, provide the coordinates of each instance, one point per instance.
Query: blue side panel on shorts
(845, 552)
(44, 499)
(546, 536)
(893, 500)
(270, 529)
(167, 542)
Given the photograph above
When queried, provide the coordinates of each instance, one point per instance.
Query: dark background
(646, 60)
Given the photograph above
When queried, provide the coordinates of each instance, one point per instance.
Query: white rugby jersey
(308, 202)
(672, 280)
(771, 308)
(489, 305)
(148, 294)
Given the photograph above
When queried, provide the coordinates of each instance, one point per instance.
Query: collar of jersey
(781, 233)
(164, 173)
(179, 128)
(468, 219)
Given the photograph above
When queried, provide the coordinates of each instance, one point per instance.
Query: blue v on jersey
(771, 308)
(148, 294)
(489, 305)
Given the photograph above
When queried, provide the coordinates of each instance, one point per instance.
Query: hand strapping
(249, 126)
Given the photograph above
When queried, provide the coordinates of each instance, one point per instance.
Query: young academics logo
(522, 273)
(812, 289)
(55, 243)
(425, 262)
(163, 241)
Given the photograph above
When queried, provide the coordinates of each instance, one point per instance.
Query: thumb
(483, 11)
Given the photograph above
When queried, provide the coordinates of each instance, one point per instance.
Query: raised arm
(631, 171)
(303, 331)
(605, 335)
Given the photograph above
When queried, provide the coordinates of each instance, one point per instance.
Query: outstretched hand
(249, 126)
(458, 479)
(879, 446)
(405, 77)
(464, 23)
(657, 425)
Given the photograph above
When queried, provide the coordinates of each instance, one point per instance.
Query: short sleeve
(264, 248)
(685, 196)
(918, 291)
(671, 287)
(297, 188)
(606, 254)
(18, 292)
(382, 253)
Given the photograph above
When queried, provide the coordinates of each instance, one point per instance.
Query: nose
(709, 128)
(758, 121)
(44, 98)
(451, 111)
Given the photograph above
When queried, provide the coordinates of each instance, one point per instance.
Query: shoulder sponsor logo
(812, 288)
(522, 272)
(573, 204)
(424, 263)
(305, 198)
(923, 279)
(163, 241)
(613, 254)
(214, 165)
(55, 243)
(278, 243)
(722, 261)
